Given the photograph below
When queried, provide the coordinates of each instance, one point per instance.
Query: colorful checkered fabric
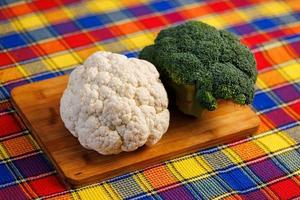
(46, 38)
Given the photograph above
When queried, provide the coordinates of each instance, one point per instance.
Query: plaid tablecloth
(46, 38)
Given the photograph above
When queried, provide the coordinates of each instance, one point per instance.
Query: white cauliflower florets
(114, 103)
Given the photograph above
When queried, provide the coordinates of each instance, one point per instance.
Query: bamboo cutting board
(38, 104)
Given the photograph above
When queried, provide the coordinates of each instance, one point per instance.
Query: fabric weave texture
(46, 38)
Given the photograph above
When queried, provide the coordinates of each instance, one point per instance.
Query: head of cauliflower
(113, 103)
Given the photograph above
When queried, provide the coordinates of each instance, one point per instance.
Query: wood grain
(38, 104)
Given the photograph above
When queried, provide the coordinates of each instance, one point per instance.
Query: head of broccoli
(203, 64)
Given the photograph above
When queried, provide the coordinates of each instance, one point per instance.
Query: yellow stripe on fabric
(64, 60)
(214, 20)
(273, 8)
(92, 193)
(28, 22)
(291, 72)
(3, 153)
(274, 142)
(103, 5)
(138, 41)
(110, 5)
(188, 168)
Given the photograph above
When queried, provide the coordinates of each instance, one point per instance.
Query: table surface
(44, 39)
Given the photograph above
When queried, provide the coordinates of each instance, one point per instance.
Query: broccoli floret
(202, 65)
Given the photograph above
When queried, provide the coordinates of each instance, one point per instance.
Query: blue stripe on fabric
(237, 179)
(6, 175)
(89, 21)
(41, 77)
(162, 6)
(133, 54)
(265, 23)
(263, 101)
(292, 37)
(12, 40)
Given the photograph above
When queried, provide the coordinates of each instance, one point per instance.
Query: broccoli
(202, 65)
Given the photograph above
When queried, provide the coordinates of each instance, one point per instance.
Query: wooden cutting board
(38, 104)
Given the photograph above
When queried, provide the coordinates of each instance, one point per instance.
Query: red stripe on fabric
(5, 59)
(45, 4)
(102, 34)
(254, 40)
(286, 189)
(2, 16)
(47, 186)
(276, 33)
(220, 6)
(9, 124)
(239, 3)
(78, 40)
(24, 53)
(174, 17)
(153, 22)
(296, 108)
(5, 13)
(261, 60)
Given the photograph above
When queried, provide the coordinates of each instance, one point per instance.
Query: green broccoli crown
(212, 60)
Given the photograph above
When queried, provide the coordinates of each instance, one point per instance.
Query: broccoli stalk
(203, 65)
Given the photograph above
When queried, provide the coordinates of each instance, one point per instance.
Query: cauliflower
(113, 103)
